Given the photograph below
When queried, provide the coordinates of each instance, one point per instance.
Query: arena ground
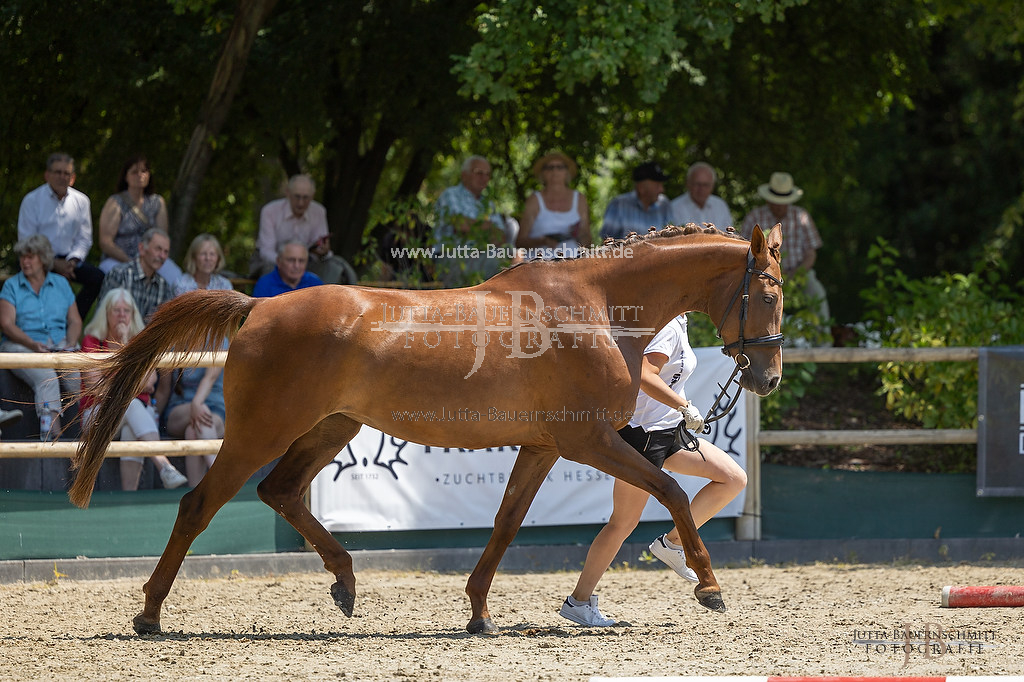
(821, 619)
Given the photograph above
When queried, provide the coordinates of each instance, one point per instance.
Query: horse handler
(661, 405)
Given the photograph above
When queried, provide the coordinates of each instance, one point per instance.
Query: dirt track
(410, 626)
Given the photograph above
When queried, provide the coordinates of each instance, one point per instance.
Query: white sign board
(380, 483)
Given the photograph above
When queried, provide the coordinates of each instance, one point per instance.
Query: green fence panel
(802, 503)
(45, 525)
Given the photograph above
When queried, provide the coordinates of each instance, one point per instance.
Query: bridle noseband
(724, 403)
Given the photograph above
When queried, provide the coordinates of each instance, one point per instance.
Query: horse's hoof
(144, 627)
(712, 601)
(482, 626)
(343, 598)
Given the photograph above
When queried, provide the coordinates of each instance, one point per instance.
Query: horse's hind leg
(531, 466)
(284, 487)
(195, 511)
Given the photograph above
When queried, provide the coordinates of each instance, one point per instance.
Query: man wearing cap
(800, 238)
(698, 205)
(645, 207)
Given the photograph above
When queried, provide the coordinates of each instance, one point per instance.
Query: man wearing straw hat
(800, 238)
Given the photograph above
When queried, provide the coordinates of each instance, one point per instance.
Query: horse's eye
(769, 298)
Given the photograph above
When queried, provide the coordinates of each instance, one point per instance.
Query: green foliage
(944, 310)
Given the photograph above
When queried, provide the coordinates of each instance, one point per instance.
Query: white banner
(380, 483)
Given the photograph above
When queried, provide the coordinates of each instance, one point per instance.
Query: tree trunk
(249, 17)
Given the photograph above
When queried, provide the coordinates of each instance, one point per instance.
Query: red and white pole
(981, 595)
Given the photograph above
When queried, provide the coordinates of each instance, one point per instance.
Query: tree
(249, 16)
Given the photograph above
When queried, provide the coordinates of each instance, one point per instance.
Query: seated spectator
(556, 220)
(645, 207)
(800, 237)
(195, 411)
(128, 214)
(289, 274)
(203, 262)
(116, 322)
(204, 418)
(38, 314)
(63, 215)
(296, 217)
(467, 222)
(698, 205)
(328, 266)
(141, 276)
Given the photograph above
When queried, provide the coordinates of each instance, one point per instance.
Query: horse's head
(751, 325)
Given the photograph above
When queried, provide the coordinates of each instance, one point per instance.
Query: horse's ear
(775, 238)
(757, 243)
(762, 246)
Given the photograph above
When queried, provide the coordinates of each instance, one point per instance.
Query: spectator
(466, 223)
(296, 217)
(203, 262)
(556, 220)
(129, 213)
(645, 207)
(141, 276)
(38, 314)
(116, 322)
(800, 238)
(698, 205)
(328, 266)
(63, 215)
(289, 274)
(660, 407)
(201, 414)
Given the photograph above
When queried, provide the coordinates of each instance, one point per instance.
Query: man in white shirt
(698, 205)
(295, 217)
(63, 215)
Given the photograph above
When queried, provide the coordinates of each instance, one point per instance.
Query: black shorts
(655, 446)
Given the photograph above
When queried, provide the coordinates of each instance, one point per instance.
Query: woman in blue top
(38, 315)
(660, 407)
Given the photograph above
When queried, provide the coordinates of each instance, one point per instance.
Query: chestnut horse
(305, 370)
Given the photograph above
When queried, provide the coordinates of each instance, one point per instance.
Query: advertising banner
(1001, 421)
(381, 483)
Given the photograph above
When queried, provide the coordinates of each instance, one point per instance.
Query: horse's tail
(196, 321)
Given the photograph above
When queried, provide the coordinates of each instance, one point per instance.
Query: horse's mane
(653, 234)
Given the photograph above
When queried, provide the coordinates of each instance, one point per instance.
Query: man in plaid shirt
(140, 276)
(800, 238)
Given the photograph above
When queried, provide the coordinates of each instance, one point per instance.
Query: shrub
(945, 310)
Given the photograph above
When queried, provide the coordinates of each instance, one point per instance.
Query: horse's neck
(666, 280)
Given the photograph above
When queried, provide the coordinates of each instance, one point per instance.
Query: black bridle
(724, 403)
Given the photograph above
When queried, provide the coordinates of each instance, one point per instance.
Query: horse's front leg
(531, 466)
(612, 455)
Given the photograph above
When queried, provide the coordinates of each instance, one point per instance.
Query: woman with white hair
(117, 321)
(38, 315)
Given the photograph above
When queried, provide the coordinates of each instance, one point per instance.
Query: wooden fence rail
(748, 526)
(81, 361)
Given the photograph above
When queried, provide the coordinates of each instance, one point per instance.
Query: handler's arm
(653, 385)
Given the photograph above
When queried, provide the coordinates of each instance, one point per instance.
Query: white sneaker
(675, 559)
(172, 478)
(585, 614)
(10, 416)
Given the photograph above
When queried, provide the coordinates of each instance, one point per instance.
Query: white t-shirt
(673, 343)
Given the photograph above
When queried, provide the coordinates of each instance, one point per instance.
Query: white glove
(692, 417)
